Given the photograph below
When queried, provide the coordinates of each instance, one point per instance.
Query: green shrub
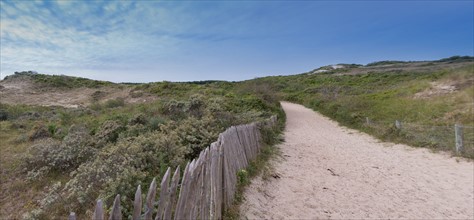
(174, 109)
(3, 115)
(97, 95)
(52, 128)
(51, 155)
(39, 131)
(243, 177)
(96, 106)
(155, 122)
(114, 103)
(119, 148)
(108, 132)
(138, 119)
(66, 117)
(119, 168)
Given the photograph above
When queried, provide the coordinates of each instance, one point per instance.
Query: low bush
(97, 95)
(118, 149)
(39, 131)
(108, 132)
(50, 155)
(3, 115)
(114, 103)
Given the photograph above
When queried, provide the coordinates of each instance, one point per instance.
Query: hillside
(67, 141)
(70, 140)
(65, 91)
(429, 98)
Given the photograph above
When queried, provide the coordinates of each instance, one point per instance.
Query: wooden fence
(208, 184)
(457, 138)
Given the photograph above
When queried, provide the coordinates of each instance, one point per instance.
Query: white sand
(369, 179)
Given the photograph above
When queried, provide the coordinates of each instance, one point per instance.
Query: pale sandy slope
(369, 179)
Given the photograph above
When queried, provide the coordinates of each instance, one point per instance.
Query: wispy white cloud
(74, 35)
(114, 35)
(203, 40)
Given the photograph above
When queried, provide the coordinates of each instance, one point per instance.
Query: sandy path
(328, 171)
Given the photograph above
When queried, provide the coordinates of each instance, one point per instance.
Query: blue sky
(143, 41)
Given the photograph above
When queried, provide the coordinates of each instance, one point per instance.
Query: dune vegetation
(428, 98)
(56, 159)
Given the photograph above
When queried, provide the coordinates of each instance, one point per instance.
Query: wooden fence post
(398, 124)
(72, 216)
(164, 195)
(150, 200)
(115, 213)
(137, 204)
(367, 121)
(99, 211)
(173, 188)
(458, 131)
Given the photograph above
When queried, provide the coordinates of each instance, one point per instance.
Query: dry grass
(13, 184)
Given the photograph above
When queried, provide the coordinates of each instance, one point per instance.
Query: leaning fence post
(99, 211)
(115, 213)
(72, 216)
(458, 131)
(398, 124)
(137, 204)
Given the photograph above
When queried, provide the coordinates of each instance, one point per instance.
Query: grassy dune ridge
(123, 135)
(428, 101)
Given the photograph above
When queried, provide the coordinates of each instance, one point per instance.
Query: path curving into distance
(330, 172)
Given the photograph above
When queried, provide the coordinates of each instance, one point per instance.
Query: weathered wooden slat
(137, 204)
(233, 167)
(216, 180)
(241, 135)
(115, 213)
(197, 188)
(172, 194)
(99, 211)
(212, 180)
(206, 189)
(220, 182)
(237, 164)
(251, 141)
(254, 144)
(191, 190)
(225, 168)
(196, 195)
(150, 200)
(203, 185)
(165, 182)
(179, 212)
(240, 150)
(189, 204)
(207, 186)
(72, 216)
(229, 170)
(257, 137)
